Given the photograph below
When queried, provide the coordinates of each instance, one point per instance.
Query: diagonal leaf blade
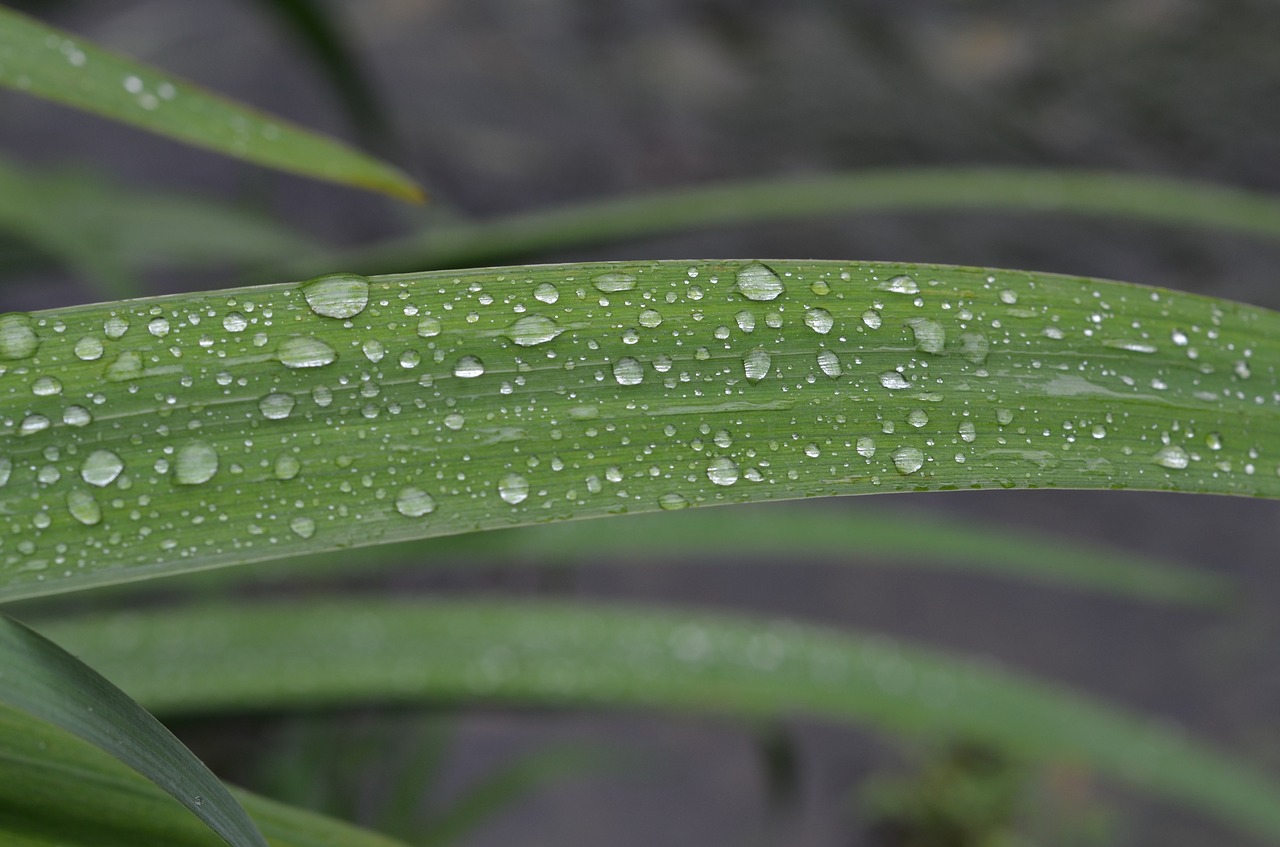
(204, 659)
(44, 681)
(194, 431)
(58, 66)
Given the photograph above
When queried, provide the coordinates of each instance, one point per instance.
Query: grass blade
(208, 659)
(186, 432)
(1148, 199)
(57, 791)
(65, 68)
(46, 682)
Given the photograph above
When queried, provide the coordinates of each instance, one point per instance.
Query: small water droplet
(276, 406)
(917, 417)
(303, 526)
(968, 432)
(32, 424)
(286, 466)
(1214, 441)
(613, 282)
(900, 285)
(1009, 297)
(83, 507)
(373, 350)
(650, 319)
(468, 367)
(546, 293)
(531, 330)
(756, 364)
(929, 334)
(101, 467)
(829, 362)
(722, 471)
(89, 348)
(429, 327)
(757, 281)
(17, 339)
(671, 502)
(866, 446)
(1179, 338)
(337, 295)
(46, 386)
(894, 380)
(1004, 416)
(1171, 456)
(812, 450)
(302, 351)
(115, 326)
(819, 320)
(159, 327)
(908, 460)
(235, 322)
(628, 371)
(414, 502)
(513, 488)
(195, 463)
(76, 416)
(872, 319)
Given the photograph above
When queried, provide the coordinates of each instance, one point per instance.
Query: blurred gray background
(508, 105)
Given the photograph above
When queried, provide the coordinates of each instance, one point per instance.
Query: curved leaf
(186, 432)
(49, 63)
(272, 656)
(44, 681)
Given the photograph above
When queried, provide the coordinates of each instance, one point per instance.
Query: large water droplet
(235, 322)
(756, 364)
(468, 367)
(757, 281)
(302, 351)
(302, 526)
(917, 417)
(830, 363)
(513, 488)
(650, 318)
(76, 416)
(1171, 456)
(908, 460)
(722, 471)
(337, 295)
(929, 334)
(533, 329)
(872, 319)
(17, 339)
(428, 327)
(195, 463)
(276, 406)
(968, 432)
(894, 380)
(546, 293)
(672, 502)
(819, 320)
(414, 502)
(286, 466)
(115, 326)
(89, 348)
(83, 507)
(101, 467)
(612, 282)
(628, 371)
(46, 386)
(900, 285)
(32, 424)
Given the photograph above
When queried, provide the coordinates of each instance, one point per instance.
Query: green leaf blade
(201, 660)
(67, 69)
(43, 681)
(202, 430)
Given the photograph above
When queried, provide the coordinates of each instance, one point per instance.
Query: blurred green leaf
(208, 659)
(59, 66)
(44, 681)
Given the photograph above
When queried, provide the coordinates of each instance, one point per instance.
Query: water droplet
(17, 339)
(303, 526)
(722, 471)
(373, 350)
(76, 416)
(128, 365)
(917, 417)
(1179, 338)
(414, 502)
(613, 282)
(32, 424)
(46, 386)
(337, 295)
(819, 320)
(894, 380)
(194, 464)
(513, 488)
(115, 326)
(628, 371)
(1009, 296)
(872, 319)
(1171, 456)
(968, 432)
(866, 446)
(672, 501)
(650, 319)
(830, 363)
(276, 406)
(83, 507)
(745, 320)
(974, 347)
(1214, 440)
(159, 327)
(1004, 416)
(302, 351)
(101, 467)
(6, 468)
(468, 367)
(546, 293)
(454, 421)
(757, 281)
(812, 450)
(929, 334)
(428, 327)
(89, 348)
(286, 466)
(533, 329)
(908, 460)
(235, 322)
(757, 364)
(900, 285)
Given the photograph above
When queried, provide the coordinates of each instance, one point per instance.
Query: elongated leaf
(45, 682)
(61, 211)
(68, 69)
(57, 791)
(1152, 199)
(208, 659)
(188, 432)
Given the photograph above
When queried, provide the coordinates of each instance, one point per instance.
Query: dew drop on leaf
(286, 466)
(894, 380)
(337, 295)
(819, 320)
(757, 281)
(468, 367)
(908, 460)
(83, 507)
(303, 351)
(532, 330)
(756, 364)
(1171, 456)
(195, 463)
(722, 471)
(303, 526)
(428, 327)
(628, 371)
(17, 339)
(929, 334)
(101, 467)
(513, 489)
(672, 501)
(829, 362)
(414, 502)
(276, 406)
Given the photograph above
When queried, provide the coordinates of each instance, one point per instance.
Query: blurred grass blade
(186, 432)
(44, 681)
(61, 213)
(68, 69)
(1148, 199)
(201, 660)
(57, 791)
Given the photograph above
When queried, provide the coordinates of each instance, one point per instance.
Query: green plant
(163, 435)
